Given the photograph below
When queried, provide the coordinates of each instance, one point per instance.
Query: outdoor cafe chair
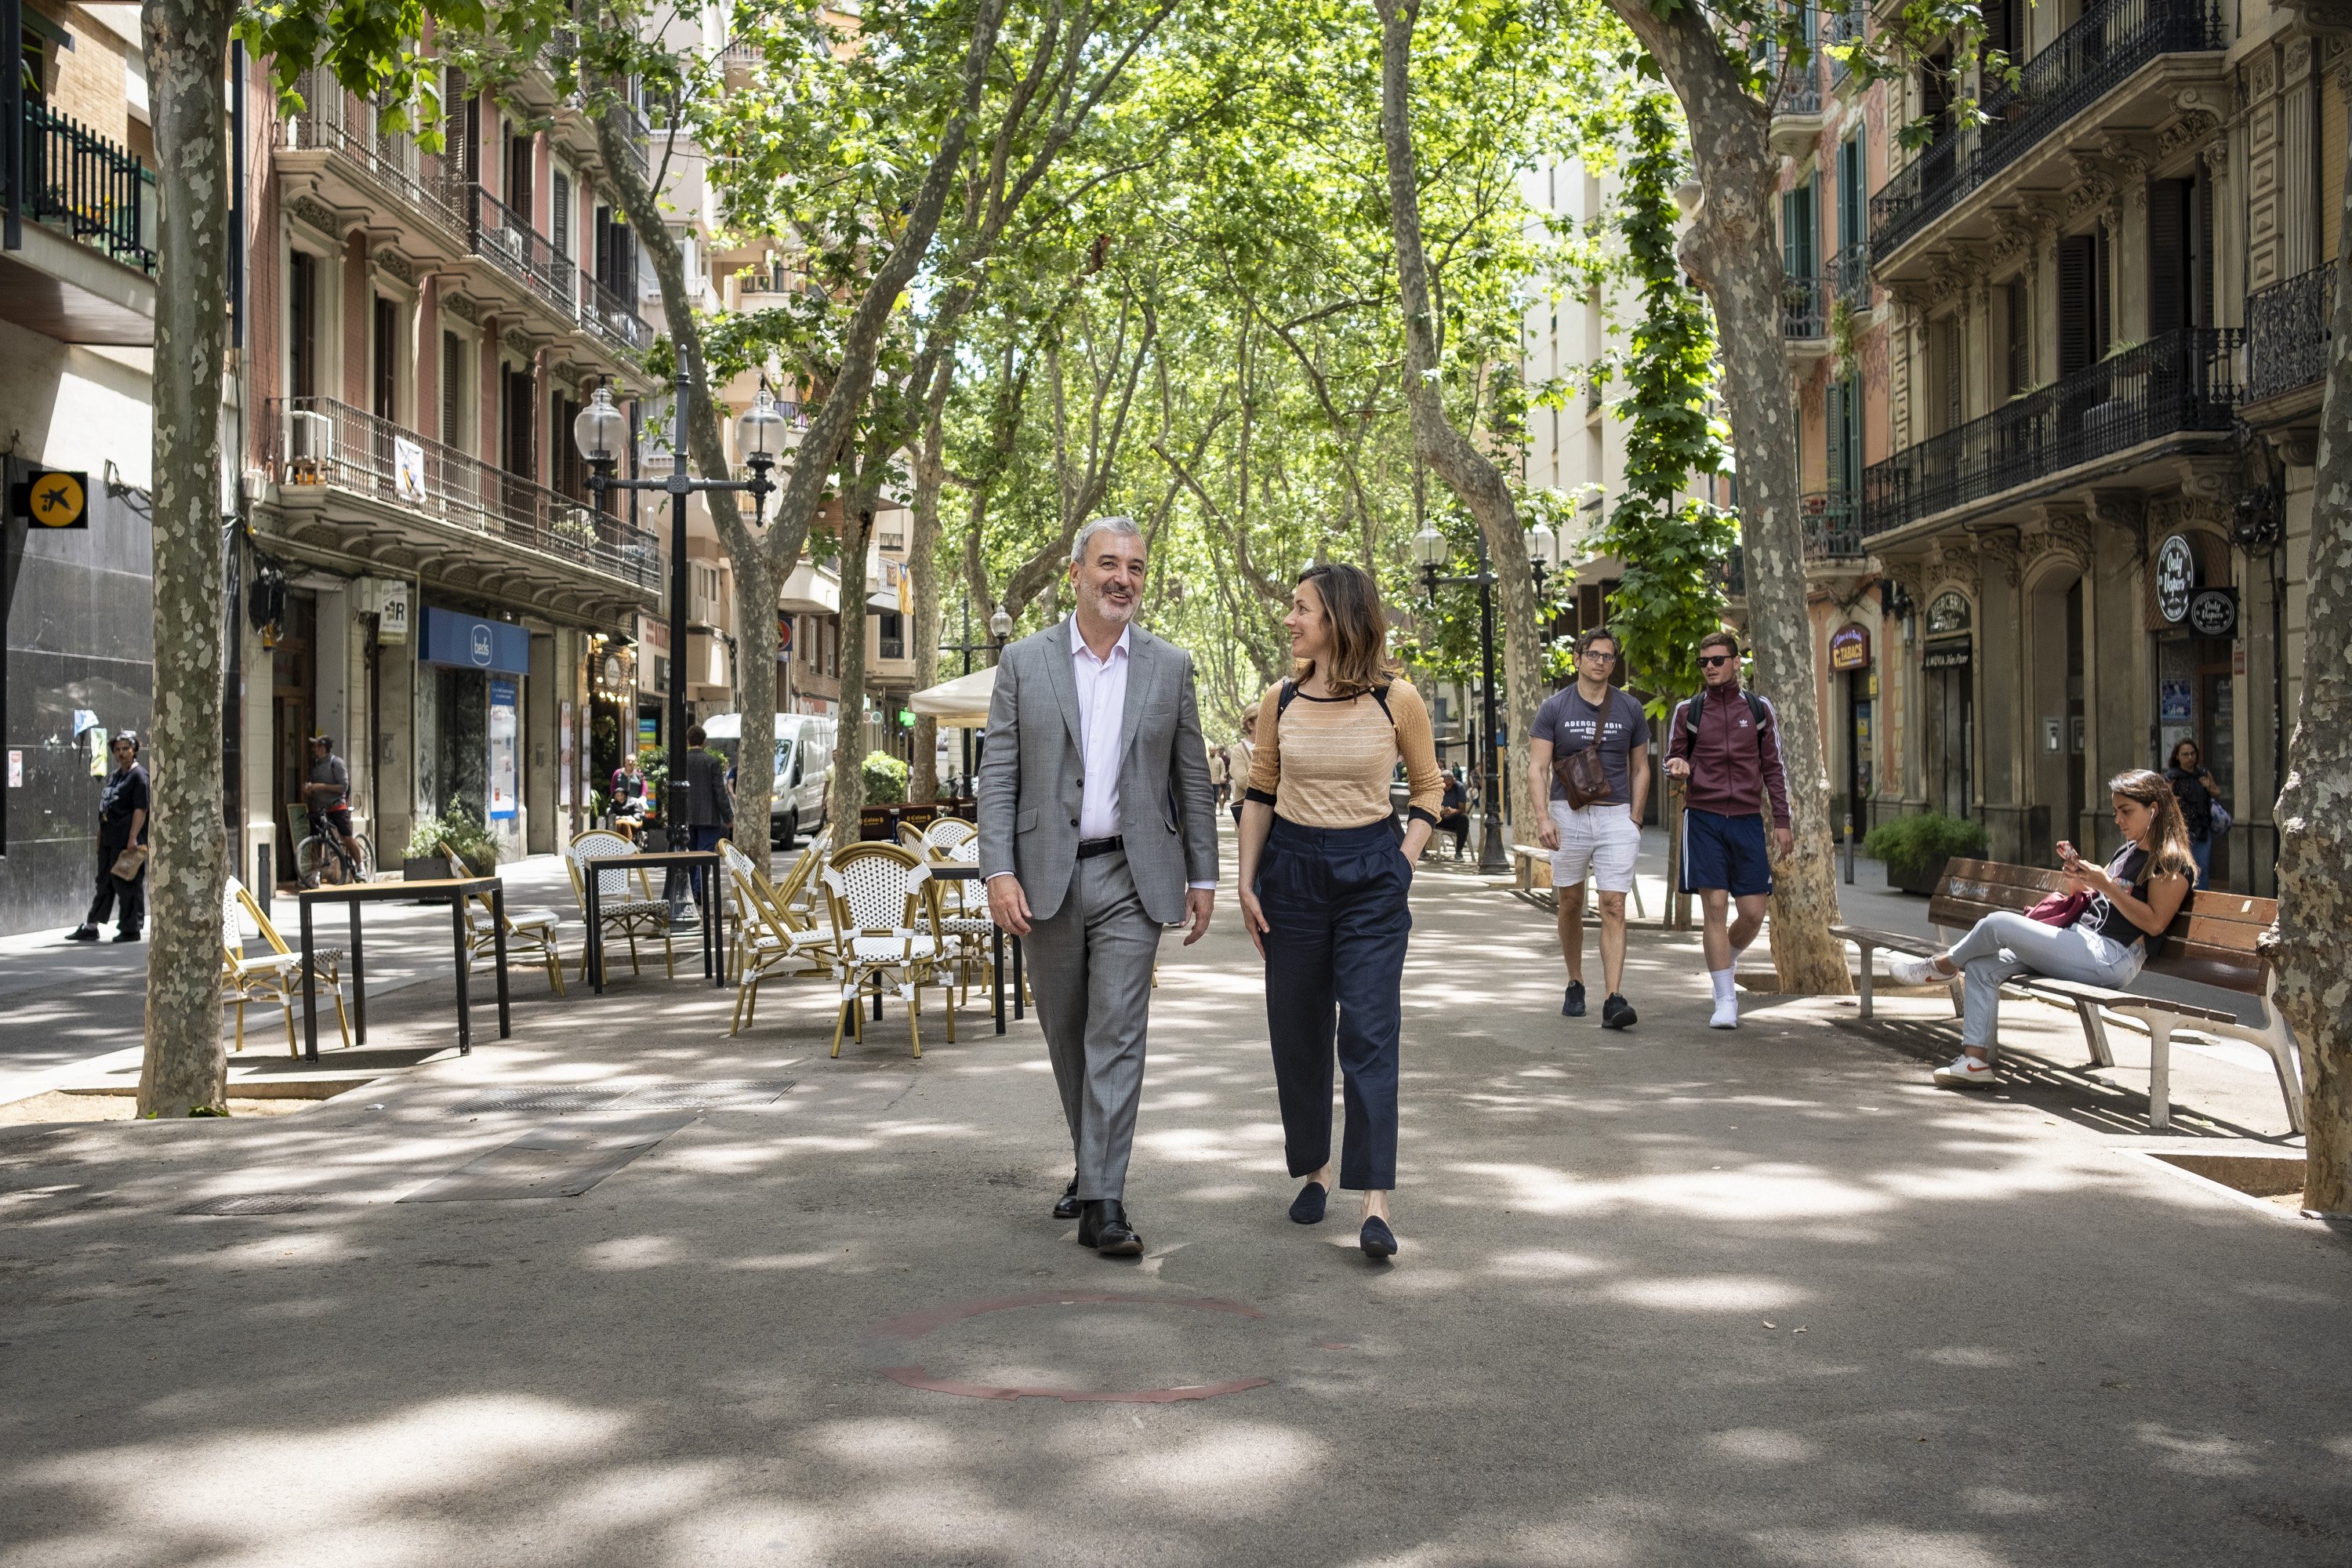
(879, 906)
(272, 976)
(630, 913)
(770, 937)
(531, 933)
(963, 921)
(741, 867)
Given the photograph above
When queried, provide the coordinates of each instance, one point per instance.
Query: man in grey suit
(1097, 829)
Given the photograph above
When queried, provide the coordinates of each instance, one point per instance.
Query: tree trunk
(1732, 251)
(758, 577)
(1466, 471)
(2312, 944)
(923, 560)
(187, 55)
(847, 796)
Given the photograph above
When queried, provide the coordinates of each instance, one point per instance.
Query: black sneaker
(82, 933)
(1616, 1013)
(1573, 1006)
(126, 936)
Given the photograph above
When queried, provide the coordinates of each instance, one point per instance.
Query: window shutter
(2200, 258)
(2074, 317)
(559, 215)
(2330, 195)
(453, 396)
(1833, 418)
(1954, 401)
(2168, 239)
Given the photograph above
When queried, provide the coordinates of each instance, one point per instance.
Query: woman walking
(2110, 921)
(1324, 877)
(2193, 785)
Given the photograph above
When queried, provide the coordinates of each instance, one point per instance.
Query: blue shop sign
(468, 644)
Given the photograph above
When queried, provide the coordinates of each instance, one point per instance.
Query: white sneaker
(1965, 1071)
(1905, 970)
(1727, 1015)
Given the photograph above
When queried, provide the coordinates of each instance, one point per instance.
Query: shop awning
(960, 703)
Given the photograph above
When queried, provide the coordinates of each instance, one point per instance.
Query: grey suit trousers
(1090, 969)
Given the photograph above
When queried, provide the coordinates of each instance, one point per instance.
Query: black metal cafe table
(964, 872)
(451, 890)
(592, 875)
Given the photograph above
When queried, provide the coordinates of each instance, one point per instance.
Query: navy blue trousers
(1334, 899)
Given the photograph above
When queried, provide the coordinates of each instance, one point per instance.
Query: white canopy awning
(960, 703)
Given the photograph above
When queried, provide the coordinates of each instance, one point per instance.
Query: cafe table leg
(310, 988)
(359, 979)
(499, 943)
(713, 913)
(465, 1017)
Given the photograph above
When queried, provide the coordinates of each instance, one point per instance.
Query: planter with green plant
(886, 779)
(1915, 847)
(457, 829)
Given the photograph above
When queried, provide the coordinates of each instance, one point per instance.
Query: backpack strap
(1281, 703)
(1380, 696)
(1691, 710)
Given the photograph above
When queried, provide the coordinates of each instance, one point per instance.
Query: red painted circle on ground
(915, 1325)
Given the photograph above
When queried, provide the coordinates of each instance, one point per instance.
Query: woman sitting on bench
(2110, 920)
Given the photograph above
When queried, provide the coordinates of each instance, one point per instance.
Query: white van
(804, 753)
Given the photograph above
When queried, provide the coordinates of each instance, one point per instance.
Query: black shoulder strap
(1691, 710)
(1289, 690)
(1380, 696)
(1755, 711)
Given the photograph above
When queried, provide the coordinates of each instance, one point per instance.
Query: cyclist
(327, 796)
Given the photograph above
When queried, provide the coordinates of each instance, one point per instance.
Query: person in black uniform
(122, 808)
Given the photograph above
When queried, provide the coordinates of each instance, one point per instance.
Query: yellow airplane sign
(54, 499)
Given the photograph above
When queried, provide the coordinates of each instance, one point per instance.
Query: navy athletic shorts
(1725, 852)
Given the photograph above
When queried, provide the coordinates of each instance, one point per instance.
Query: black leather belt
(1090, 847)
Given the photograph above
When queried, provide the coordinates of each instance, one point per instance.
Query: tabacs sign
(52, 498)
(1850, 648)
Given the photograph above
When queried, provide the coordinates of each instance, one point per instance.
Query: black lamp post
(1432, 550)
(762, 436)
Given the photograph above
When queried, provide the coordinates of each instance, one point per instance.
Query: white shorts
(1600, 841)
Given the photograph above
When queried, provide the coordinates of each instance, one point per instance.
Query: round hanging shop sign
(1850, 648)
(2213, 612)
(2175, 578)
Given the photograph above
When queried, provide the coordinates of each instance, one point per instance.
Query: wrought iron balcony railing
(1845, 26)
(319, 441)
(2289, 326)
(2182, 381)
(78, 182)
(2114, 38)
(1805, 308)
(1833, 525)
(1849, 275)
(607, 315)
(505, 239)
(329, 123)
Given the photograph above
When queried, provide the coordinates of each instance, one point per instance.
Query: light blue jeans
(2005, 944)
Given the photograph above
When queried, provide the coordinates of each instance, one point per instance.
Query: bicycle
(320, 857)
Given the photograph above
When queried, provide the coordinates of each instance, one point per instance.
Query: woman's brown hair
(1359, 631)
(2170, 856)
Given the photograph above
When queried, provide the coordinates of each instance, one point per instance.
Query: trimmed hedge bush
(886, 779)
(1915, 847)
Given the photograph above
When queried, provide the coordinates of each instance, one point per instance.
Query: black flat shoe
(1307, 1208)
(1104, 1228)
(1066, 1206)
(82, 933)
(1376, 1239)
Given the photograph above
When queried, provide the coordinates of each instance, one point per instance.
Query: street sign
(53, 498)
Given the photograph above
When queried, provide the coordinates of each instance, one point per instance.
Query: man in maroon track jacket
(1727, 743)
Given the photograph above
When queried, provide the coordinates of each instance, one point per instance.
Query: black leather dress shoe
(1104, 1228)
(1066, 1206)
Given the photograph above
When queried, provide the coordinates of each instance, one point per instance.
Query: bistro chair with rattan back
(769, 938)
(530, 933)
(884, 930)
(625, 903)
(274, 975)
(962, 909)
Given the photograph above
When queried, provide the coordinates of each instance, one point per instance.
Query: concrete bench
(2211, 941)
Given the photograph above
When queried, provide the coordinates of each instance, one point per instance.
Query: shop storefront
(1948, 658)
(1856, 680)
(470, 675)
(2192, 617)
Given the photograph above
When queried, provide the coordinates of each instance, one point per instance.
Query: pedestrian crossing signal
(53, 498)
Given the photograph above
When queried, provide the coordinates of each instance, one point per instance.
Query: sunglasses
(1712, 659)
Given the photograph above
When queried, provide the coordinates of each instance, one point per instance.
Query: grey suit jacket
(1031, 775)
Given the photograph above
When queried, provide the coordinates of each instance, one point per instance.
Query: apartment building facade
(2071, 412)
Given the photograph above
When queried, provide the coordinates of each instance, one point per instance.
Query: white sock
(1724, 991)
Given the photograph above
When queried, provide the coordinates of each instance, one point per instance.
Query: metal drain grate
(720, 1094)
(253, 1202)
(539, 1098)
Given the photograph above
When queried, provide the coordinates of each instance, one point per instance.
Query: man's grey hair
(1126, 525)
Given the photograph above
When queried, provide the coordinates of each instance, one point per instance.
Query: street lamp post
(1432, 551)
(761, 434)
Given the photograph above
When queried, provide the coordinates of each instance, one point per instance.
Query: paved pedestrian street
(1665, 1296)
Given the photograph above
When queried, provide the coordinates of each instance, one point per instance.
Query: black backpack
(1694, 706)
